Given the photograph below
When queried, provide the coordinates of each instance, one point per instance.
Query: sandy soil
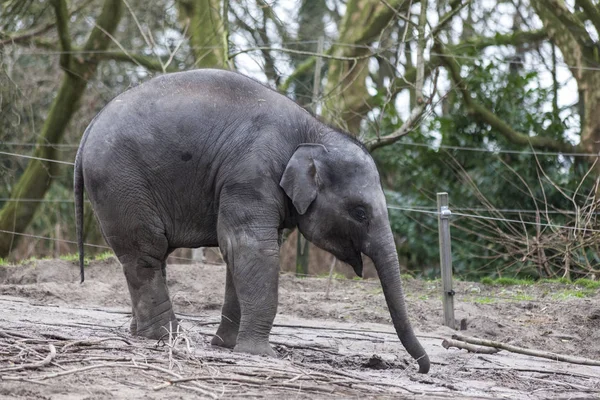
(342, 346)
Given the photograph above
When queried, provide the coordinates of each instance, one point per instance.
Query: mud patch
(342, 345)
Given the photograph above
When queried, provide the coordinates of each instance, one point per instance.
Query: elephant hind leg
(153, 315)
(227, 332)
(133, 327)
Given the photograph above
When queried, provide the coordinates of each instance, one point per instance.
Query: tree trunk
(346, 90)
(206, 31)
(37, 177)
(568, 33)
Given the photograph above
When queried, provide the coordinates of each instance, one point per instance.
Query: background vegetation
(493, 101)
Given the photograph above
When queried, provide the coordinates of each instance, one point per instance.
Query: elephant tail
(78, 188)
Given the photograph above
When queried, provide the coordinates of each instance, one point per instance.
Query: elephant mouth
(355, 261)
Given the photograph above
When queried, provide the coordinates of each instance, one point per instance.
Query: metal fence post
(446, 259)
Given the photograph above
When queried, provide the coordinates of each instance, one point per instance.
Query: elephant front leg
(153, 315)
(227, 333)
(256, 281)
(254, 264)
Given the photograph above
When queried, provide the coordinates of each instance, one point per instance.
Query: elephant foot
(224, 339)
(262, 349)
(160, 331)
(133, 326)
(159, 327)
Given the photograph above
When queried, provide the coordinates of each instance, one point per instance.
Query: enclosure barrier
(444, 214)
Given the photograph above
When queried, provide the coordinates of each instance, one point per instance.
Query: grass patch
(523, 297)
(30, 260)
(74, 258)
(571, 293)
(587, 283)
(104, 256)
(4, 262)
(564, 281)
(506, 281)
(406, 277)
(484, 300)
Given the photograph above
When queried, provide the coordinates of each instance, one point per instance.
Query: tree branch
(377, 142)
(492, 119)
(62, 26)
(530, 352)
(417, 74)
(23, 37)
(149, 63)
(106, 22)
(307, 64)
(575, 26)
(518, 38)
(421, 42)
(567, 31)
(591, 12)
(30, 35)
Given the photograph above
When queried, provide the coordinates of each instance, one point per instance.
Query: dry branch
(93, 342)
(529, 352)
(447, 343)
(46, 361)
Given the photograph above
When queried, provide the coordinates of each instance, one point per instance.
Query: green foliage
(523, 297)
(104, 256)
(571, 293)
(562, 280)
(504, 281)
(413, 173)
(74, 258)
(484, 300)
(587, 283)
(3, 261)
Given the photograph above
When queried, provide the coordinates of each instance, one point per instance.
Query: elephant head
(336, 191)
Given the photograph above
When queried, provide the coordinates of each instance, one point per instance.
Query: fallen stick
(251, 381)
(544, 371)
(529, 352)
(569, 385)
(447, 343)
(93, 342)
(147, 367)
(35, 365)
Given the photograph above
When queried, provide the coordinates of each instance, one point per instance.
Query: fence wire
(473, 297)
(393, 207)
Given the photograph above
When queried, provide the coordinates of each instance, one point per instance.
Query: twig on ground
(521, 350)
(545, 371)
(567, 384)
(447, 343)
(93, 342)
(12, 335)
(46, 361)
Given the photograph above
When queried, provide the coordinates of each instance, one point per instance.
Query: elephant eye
(359, 213)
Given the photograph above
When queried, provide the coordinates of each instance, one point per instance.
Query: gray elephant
(212, 158)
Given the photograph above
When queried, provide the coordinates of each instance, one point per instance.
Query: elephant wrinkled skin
(213, 158)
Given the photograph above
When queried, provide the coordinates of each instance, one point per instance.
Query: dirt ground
(63, 340)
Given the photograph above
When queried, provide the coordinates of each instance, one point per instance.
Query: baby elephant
(212, 158)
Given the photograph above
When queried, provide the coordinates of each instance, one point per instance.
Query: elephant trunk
(386, 262)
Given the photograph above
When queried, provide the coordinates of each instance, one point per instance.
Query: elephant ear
(300, 178)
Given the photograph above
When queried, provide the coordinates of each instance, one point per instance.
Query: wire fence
(286, 47)
(473, 292)
(423, 210)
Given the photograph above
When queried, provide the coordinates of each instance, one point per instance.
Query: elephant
(213, 158)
